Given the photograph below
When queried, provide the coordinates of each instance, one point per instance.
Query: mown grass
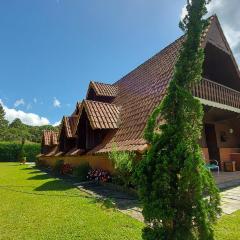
(34, 205)
(228, 227)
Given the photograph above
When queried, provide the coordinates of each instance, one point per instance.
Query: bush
(81, 171)
(9, 151)
(124, 165)
(57, 168)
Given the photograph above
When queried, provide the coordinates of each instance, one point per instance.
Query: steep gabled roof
(70, 125)
(215, 36)
(140, 91)
(49, 138)
(101, 115)
(134, 96)
(103, 89)
(77, 109)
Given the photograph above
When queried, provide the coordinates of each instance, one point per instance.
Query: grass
(37, 206)
(228, 227)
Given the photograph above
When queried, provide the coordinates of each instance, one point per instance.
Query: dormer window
(67, 139)
(101, 92)
(96, 119)
(49, 141)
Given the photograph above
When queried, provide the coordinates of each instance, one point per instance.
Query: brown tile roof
(103, 89)
(75, 152)
(102, 115)
(139, 92)
(49, 138)
(70, 125)
(136, 95)
(52, 152)
(77, 109)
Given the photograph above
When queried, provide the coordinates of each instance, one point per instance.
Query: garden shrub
(124, 165)
(9, 151)
(81, 171)
(57, 168)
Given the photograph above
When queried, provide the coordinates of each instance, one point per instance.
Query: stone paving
(128, 204)
(230, 200)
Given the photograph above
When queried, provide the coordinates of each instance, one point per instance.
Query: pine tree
(179, 196)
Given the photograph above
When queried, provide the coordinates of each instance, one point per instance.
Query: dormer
(95, 121)
(77, 109)
(49, 141)
(101, 92)
(67, 135)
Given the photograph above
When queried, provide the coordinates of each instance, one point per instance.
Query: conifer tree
(179, 196)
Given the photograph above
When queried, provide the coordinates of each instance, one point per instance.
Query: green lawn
(36, 206)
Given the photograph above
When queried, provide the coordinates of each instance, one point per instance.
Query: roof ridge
(151, 58)
(106, 103)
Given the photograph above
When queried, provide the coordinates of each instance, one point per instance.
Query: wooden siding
(226, 152)
(216, 92)
(100, 161)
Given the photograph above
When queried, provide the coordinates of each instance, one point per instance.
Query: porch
(226, 180)
(221, 137)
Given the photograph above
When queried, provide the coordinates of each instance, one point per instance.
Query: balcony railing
(216, 92)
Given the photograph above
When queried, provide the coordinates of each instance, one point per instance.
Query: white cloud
(56, 103)
(27, 118)
(183, 12)
(228, 12)
(35, 100)
(19, 102)
(56, 123)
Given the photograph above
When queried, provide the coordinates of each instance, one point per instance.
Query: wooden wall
(100, 161)
(225, 153)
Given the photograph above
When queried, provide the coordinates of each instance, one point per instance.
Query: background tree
(173, 179)
(3, 122)
(17, 123)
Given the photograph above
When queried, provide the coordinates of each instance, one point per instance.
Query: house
(117, 114)
(49, 143)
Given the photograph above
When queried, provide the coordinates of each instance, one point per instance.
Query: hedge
(9, 151)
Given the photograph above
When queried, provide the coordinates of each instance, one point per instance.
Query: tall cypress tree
(180, 199)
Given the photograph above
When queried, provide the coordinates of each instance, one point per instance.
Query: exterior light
(231, 130)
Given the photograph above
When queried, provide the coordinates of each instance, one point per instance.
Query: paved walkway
(128, 204)
(231, 200)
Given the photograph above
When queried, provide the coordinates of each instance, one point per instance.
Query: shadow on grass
(35, 172)
(40, 177)
(54, 185)
(29, 168)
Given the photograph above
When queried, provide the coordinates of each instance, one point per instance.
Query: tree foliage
(9, 151)
(180, 199)
(3, 121)
(16, 130)
(124, 164)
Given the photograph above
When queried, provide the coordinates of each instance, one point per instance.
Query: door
(211, 140)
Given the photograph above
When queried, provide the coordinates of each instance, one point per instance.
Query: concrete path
(231, 200)
(128, 203)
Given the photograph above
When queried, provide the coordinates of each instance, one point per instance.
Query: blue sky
(51, 49)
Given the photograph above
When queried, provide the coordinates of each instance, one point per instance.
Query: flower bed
(99, 175)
